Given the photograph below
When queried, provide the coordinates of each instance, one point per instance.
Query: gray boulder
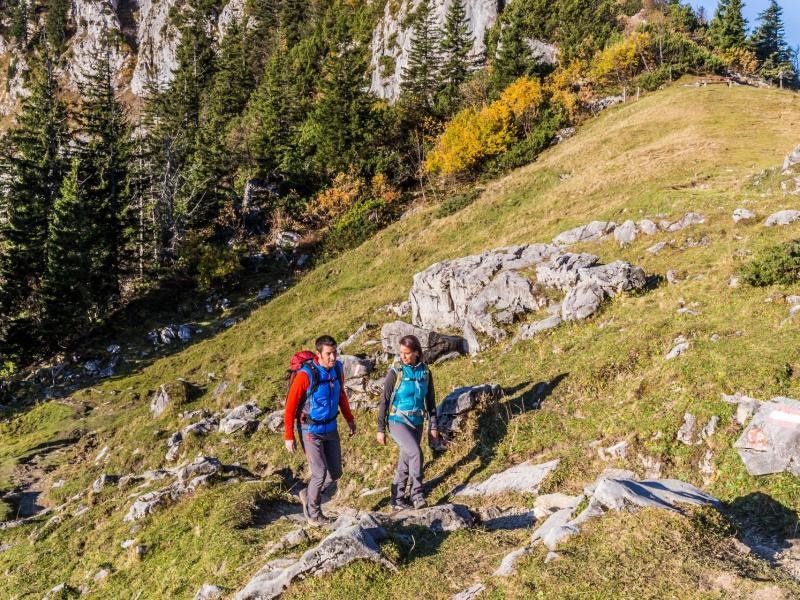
(626, 233)
(681, 346)
(523, 478)
(243, 418)
(562, 272)
(273, 421)
(742, 214)
(441, 295)
(613, 278)
(582, 301)
(669, 494)
(771, 442)
(690, 218)
(433, 344)
(355, 367)
(595, 230)
(508, 293)
(350, 541)
(782, 217)
(791, 159)
(169, 396)
(454, 408)
(648, 227)
(438, 518)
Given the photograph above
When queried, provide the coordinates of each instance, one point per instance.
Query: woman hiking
(407, 396)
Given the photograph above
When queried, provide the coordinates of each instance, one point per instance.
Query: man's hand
(289, 446)
(435, 433)
(352, 426)
(381, 437)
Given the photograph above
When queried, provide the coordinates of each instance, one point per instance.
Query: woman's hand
(434, 433)
(381, 437)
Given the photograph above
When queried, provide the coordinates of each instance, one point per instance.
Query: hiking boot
(321, 521)
(419, 502)
(399, 504)
(303, 495)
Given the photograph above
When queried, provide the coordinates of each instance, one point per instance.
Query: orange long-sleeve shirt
(297, 394)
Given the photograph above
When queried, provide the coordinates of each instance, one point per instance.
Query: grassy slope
(678, 150)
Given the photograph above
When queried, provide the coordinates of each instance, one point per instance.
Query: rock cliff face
(391, 40)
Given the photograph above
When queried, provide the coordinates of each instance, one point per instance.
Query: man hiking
(317, 395)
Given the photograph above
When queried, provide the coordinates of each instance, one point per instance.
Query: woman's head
(410, 350)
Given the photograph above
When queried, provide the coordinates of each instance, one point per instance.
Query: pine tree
(728, 27)
(456, 46)
(769, 38)
(421, 76)
(340, 127)
(104, 148)
(56, 23)
(33, 164)
(68, 279)
(514, 57)
(20, 10)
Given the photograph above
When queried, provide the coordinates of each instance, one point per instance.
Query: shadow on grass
(764, 525)
(492, 426)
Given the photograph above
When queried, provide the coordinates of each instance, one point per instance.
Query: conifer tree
(56, 23)
(68, 279)
(769, 44)
(728, 27)
(20, 10)
(769, 38)
(104, 147)
(456, 46)
(33, 164)
(514, 57)
(421, 76)
(340, 127)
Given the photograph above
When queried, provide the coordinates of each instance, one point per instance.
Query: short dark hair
(412, 342)
(324, 340)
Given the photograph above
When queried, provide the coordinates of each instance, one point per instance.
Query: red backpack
(298, 360)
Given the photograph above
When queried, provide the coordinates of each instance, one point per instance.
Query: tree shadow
(493, 427)
(764, 525)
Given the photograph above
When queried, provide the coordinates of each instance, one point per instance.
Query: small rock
(648, 227)
(733, 282)
(690, 218)
(742, 214)
(626, 233)
(710, 428)
(208, 592)
(782, 217)
(471, 593)
(184, 333)
(263, 295)
(127, 544)
(112, 348)
(685, 434)
(656, 248)
(101, 482)
(141, 551)
(595, 230)
(681, 346)
(102, 456)
(101, 575)
(706, 465)
(169, 396)
(616, 451)
(229, 322)
(673, 277)
(525, 477)
(547, 504)
(530, 330)
(791, 159)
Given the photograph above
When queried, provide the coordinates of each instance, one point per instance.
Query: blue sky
(791, 14)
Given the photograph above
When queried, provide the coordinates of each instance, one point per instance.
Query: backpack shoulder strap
(398, 379)
(313, 377)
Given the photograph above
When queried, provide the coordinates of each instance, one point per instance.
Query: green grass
(678, 150)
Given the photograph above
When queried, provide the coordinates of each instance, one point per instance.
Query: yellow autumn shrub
(333, 202)
(740, 60)
(475, 135)
(621, 61)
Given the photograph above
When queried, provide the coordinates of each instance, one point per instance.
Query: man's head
(326, 351)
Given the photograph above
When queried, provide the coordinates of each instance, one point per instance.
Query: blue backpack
(321, 406)
(407, 404)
